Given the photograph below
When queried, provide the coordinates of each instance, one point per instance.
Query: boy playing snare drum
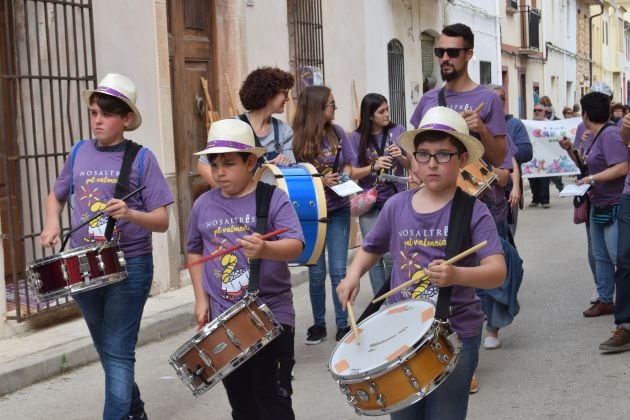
(413, 226)
(261, 387)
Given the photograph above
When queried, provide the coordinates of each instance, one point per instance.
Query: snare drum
(475, 178)
(76, 270)
(306, 191)
(224, 344)
(404, 355)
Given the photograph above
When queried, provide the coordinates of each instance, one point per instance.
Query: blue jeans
(622, 275)
(337, 235)
(604, 245)
(591, 257)
(113, 314)
(450, 400)
(380, 272)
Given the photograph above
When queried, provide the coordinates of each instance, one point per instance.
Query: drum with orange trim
(475, 178)
(405, 353)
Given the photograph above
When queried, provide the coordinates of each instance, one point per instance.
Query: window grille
(306, 42)
(396, 65)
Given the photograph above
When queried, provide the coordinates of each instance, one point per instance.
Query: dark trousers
(622, 274)
(540, 190)
(260, 389)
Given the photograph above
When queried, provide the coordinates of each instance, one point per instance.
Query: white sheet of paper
(346, 188)
(571, 190)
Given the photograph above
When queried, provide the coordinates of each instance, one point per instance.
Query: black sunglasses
(451, 52)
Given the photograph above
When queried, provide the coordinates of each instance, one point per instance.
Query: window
(306, 42)
(396, 66)
(485, 72)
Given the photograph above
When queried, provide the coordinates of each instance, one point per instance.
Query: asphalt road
(548, 367)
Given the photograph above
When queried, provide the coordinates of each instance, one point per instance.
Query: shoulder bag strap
(441, 97)
(264, 192)
(122, 186)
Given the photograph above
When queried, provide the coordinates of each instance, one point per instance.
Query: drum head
(385, 336)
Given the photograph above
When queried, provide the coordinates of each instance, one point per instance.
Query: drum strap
(336, 164)
(457, 240)
(122, 186)
(264, 192)
(276, 137)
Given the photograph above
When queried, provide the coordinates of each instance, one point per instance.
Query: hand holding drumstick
(353, 322)
(473, 120)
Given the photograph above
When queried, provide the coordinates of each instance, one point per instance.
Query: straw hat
(231, 135)
(121, 87)
(446, 120)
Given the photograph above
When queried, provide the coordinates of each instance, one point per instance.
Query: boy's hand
(50, 236)
(440, 274)
(253, 246)
(117, 209)
(348, 290)
(202, 308)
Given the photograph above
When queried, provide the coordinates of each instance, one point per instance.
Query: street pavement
(549, 366)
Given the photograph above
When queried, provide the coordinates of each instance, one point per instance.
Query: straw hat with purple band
(122, 88)
(231, 135)
(444, 119)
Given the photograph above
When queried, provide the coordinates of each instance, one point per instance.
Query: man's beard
(447, 77)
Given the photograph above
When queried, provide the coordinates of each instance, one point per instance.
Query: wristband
(372, 169)
(591, 179)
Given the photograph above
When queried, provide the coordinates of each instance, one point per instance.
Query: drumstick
(418, 278)
(479, 108)
(353, 322)
(234, 248)
(96, 216)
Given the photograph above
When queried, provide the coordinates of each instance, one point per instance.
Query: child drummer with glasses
(413, 226)
(224, 217)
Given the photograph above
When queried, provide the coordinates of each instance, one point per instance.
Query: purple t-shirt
(384, 189)
(215, 223)
(94, 176)
(325, 163)
(607, 150)
(415, 240)
(491, 114)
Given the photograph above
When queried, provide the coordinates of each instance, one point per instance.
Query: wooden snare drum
(475, 178)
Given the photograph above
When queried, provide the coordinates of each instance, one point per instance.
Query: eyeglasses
(440, 157)
(539, 110)
(333, 104)
(451, 52)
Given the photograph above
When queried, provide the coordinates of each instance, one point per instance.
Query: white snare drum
(224, 344)
(404, 355)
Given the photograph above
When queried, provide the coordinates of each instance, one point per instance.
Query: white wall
(267, 37)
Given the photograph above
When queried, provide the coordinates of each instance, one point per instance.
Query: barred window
(396, 66)
(306, 42)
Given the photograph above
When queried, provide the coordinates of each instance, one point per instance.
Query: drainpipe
(590, 43)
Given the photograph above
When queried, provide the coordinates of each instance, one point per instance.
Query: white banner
(549, 158)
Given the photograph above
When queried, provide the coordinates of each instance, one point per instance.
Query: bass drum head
(304, 187)
(385, 336)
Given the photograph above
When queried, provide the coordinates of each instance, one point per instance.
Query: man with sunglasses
(454, 50)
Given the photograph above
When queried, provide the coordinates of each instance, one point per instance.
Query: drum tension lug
(232, 337)
(256, 320)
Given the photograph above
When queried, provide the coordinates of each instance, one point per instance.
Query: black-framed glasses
(451, 52)
(332, 103)
(440, 157)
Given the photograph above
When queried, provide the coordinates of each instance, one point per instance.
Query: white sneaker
(594, 296)
(491, 343)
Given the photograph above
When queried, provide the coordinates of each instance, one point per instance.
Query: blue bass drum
(304, 186)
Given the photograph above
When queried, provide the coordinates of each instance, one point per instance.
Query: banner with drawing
(549, 158)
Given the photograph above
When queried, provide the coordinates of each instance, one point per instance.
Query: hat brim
(473, 146)
(258, 151)
(137, 117)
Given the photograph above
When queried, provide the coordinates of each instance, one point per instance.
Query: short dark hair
(462, 31)
(110, 104)
(432, 136)
(212, 156)
(597, 106)
(617, 106)
(263, 84)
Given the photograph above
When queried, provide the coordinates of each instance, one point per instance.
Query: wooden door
(190, 49)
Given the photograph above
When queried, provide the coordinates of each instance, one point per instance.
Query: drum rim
(389, 366)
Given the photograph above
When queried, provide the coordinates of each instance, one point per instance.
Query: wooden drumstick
(234, 248)
(417, 277)
(353, 322)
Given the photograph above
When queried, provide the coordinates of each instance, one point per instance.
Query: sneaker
(474, 385)
(138, 416)
(315, 334)
(491, 343)
(594, 296)
(620, 341)
(599, 309)
(545, 206)
(341, 332)
(533, 204)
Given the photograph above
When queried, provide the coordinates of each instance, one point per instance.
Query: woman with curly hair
(264, 92)
(320, 142)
